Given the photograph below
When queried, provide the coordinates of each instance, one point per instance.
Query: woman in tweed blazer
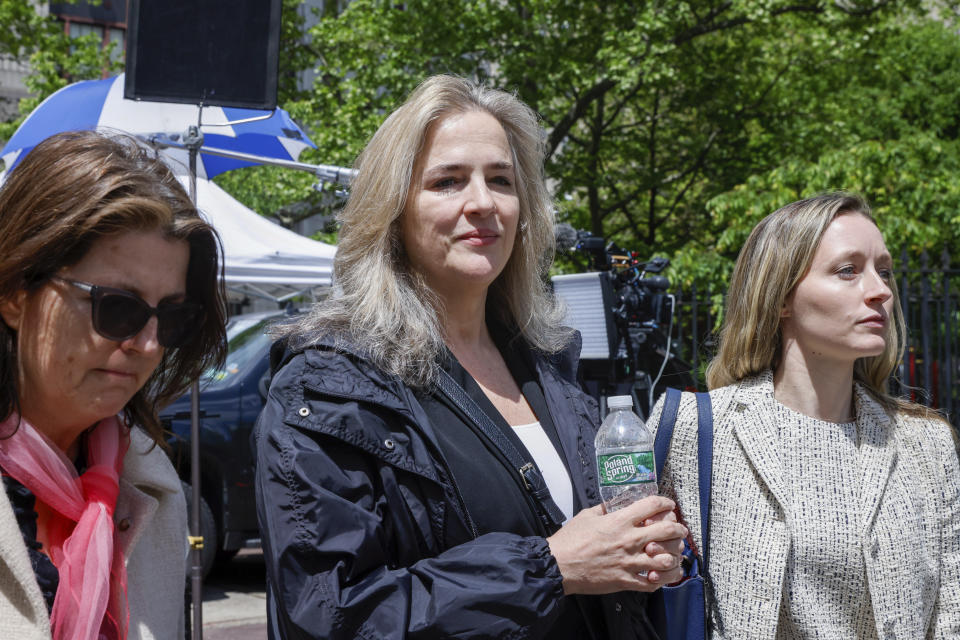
(835, 510)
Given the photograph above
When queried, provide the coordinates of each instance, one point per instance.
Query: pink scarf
(91, 600)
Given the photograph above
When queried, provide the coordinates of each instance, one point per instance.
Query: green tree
(668, 125)
(892, 135)
(651, 109)
(54, 58)
(23, 28)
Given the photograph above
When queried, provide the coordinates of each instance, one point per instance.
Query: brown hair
(774, 259)
(76, 187)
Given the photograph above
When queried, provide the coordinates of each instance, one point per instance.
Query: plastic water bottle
(625, 461)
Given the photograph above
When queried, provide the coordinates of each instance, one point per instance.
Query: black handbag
(680, 612)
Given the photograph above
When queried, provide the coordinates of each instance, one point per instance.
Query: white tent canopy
(262, 258)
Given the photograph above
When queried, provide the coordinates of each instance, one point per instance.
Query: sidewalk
(234, 600)
(256, 631)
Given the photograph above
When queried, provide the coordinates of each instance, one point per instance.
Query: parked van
(230, 401)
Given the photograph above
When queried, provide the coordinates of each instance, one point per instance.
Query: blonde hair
(774, 259)
(379, 302)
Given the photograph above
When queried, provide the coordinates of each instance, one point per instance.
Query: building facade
(107, 20)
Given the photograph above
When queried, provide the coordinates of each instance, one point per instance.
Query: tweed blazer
(910, 533)
(152, 532)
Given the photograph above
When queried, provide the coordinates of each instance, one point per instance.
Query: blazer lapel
(146, 475)
(755, 426)
(20, 596)
(133, 514)
(877, 453)
(568, 420)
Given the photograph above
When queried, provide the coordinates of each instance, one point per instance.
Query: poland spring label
(617, 469)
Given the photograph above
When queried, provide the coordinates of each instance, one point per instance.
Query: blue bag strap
(661, 445)
(704, 464)
(705, 473)
(668, 419)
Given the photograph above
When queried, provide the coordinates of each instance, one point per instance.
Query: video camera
(623, 312)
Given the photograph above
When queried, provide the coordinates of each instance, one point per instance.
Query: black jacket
(355, 502)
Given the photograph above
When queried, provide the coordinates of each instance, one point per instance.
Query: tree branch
(576, 111)
(701, 157)
(708, 26)
(621, 201)
(580, 141)
(593, 194)
(691, 171)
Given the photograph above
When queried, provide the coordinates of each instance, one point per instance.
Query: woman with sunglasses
(110, 306)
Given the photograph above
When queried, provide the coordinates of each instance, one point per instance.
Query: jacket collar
(20, 583)
(760, 440)
(570, 411)
(758, 432)
(878, 452)
(147, 467)
(354, 376)
(343, 370)
(147, 476)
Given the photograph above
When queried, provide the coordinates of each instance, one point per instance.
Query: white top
(825, 594)
(545, 455)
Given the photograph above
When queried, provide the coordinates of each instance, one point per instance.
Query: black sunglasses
(119, 315)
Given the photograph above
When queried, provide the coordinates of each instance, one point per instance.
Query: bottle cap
(620, 402)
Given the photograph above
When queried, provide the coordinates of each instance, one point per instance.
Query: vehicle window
(245, 346)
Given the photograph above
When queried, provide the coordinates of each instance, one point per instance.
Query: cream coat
(154, 544)
(910, 534)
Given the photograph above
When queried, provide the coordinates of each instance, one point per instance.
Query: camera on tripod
(624, 314)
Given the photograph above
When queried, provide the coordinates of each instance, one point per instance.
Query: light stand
(193, 142)
(323, 172)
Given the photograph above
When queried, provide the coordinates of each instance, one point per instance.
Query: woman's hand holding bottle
(601, 552)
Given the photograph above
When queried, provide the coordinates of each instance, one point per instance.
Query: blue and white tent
(100, 105)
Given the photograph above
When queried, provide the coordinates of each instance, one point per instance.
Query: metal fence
(928, 294)
(694, 328)
(930, 368)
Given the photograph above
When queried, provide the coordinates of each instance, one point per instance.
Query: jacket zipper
(463, 505)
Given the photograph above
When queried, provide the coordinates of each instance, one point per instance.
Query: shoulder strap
(668, 419)
(705, 473)
(705, 464)
(530, 476)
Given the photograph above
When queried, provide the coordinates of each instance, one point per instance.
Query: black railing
(694, 329)
(928, 296)
(930, 299)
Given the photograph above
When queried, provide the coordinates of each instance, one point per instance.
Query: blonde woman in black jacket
(386, 511)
